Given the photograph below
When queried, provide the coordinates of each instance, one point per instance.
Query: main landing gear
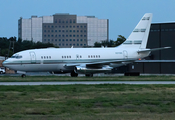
(73, 74)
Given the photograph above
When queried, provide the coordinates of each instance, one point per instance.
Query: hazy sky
(123, 15)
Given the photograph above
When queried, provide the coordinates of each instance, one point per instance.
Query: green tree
(119, 40)
(12, 45)
(104, 43)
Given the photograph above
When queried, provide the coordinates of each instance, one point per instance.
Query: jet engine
(88, 70)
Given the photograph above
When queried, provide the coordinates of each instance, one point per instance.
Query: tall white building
(97, 28)
(35, 29)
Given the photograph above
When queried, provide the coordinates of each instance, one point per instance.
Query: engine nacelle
(87, 70)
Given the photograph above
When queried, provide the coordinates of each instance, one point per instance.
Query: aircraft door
(33, 57)
(125, 54)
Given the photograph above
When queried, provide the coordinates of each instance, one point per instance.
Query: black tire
(23, 75)
(1, 72)
(73, 74)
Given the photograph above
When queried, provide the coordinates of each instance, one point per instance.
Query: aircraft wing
(100, 63)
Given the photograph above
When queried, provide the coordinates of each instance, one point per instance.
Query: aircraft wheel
(23, 75)
(73, 74)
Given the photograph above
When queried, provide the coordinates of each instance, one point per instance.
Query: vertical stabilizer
(139, 35)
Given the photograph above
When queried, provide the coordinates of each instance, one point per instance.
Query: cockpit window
(17, 56)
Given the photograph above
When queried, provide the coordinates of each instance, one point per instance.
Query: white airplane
(85, 60)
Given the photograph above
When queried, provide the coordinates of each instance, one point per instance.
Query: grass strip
(77, 102)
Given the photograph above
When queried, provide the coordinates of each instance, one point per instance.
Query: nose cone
(5, 63)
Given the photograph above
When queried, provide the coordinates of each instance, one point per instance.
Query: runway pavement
(88, 83)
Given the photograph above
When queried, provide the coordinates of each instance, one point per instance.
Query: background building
(64, 30)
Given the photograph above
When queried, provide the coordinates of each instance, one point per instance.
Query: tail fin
(139, 35)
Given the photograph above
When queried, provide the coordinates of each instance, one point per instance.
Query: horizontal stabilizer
(155, 49)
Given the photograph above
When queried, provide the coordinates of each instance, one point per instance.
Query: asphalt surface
(88, 83)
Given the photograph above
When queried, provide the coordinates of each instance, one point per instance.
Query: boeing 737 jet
(85, 60)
